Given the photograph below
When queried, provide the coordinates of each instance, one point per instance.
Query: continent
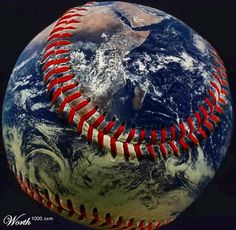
(136, 16)
(102, 20)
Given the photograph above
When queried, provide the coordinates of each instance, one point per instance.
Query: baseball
(117, 116)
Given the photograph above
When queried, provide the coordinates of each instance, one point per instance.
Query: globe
(146, 72)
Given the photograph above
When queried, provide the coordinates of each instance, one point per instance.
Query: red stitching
(204, 118)
(53, 52)
(198, 118)
(101, 139)
(126, 149)
(38, 195)
(55, 36)
(141, 225)
(28, 187)
(142, 135)
(49, 203)
(217, 77)
(222, 101)
(208, 125)
(68, 99)
(130, 223)
(163, 149)
(173, 132)
(219, 109)
(57, 43)
(182, 129)
(212, 95)
(174, 147)
(224, 83)
(61, 28)
(209, 103)
(218, 61)
(183, 143)
(113, 145)
(70, 207)
(87, 115)
(150, 226)
(151, 150)
(163, 135)
(70, 16)
(108, 220)
(80, 125)
(138, 151)
(109, 126)
(72, 21)
(215, 87)
(158, 225)
(99, 120)
(57, 199)
(58, 70)
(119, 222)
(202, 133)
(82, 212)
(153, 136)
(78, 107)
(204, 112)
(119, 131)
(59, 91)
(90, 133)
(55, 62)
(224, 74)
(214, 118)
(93, 219)
(131, 135)
(191, 125)
(193, 138)
(222, 67)
(60, 80)
(222, 71)
(217, 70)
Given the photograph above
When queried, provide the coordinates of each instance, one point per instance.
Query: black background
(215, 20)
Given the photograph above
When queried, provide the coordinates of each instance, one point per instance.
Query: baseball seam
(58, 74)
(81, 215)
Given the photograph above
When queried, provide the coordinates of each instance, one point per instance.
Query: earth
(145, 67)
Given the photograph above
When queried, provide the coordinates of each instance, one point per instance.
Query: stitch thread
(58, 72)
(83, 216)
